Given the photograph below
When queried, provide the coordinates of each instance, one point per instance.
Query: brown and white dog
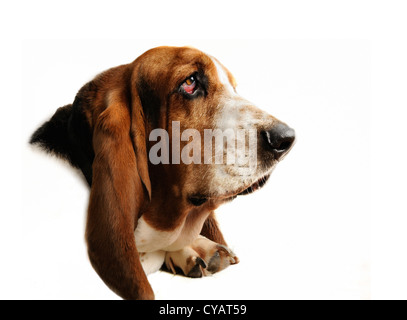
(143, 215)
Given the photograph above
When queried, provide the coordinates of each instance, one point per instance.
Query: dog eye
(189, 85)
(197, 200)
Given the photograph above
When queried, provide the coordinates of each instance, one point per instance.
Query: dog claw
(221, 246)
(214, 263)
(196, 271)
(201, 262)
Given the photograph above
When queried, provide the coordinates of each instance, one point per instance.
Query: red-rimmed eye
(189, 85)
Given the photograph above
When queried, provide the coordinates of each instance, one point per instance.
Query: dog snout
(279, 139)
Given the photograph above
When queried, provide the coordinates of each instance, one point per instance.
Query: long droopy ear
(138, 135)
(117, 192)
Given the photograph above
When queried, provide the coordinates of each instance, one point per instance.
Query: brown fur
(114, 115)
(121, 187)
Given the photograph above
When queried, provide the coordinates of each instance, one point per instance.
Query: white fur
(149, 239)
(152, 261)
(237, 113)
(223, 77)
(190, 230)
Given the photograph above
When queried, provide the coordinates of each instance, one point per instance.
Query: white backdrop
(331, 221)
(305, 235)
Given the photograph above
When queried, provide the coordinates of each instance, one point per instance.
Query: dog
(148, 210)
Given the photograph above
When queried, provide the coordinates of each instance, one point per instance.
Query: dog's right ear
(138, 135)
(117, 192)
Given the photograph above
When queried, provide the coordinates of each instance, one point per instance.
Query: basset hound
(148, 210)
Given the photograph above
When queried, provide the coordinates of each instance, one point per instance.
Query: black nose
(279, 139)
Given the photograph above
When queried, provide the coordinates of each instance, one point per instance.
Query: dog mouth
(255, 186)
(198, 200)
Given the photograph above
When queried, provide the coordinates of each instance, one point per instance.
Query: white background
(331, 222)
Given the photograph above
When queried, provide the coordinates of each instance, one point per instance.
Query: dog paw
(221, 258)
(202, 258)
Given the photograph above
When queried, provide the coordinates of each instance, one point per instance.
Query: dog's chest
(149, 239)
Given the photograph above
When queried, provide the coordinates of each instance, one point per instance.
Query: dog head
(205, 142)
